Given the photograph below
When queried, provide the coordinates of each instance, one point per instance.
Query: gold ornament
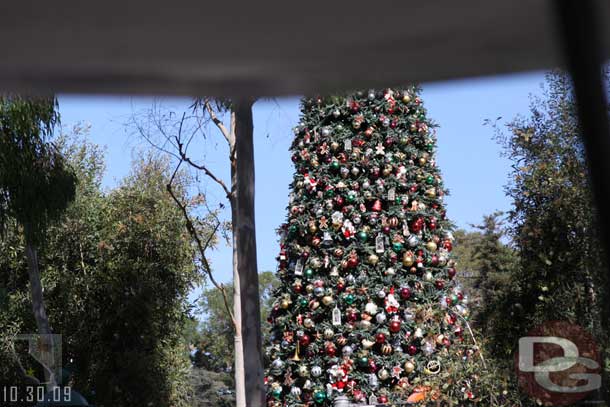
(430, 193)
(366, 344)
(327, 300)
(409, 366)
(406, 98)
(373, 259)
(408, 259)
(431, 246)
(439, 339)
(433, 367)
(386, 349)
(328, 333)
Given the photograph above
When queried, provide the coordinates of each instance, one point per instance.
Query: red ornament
(352, 316)
(434, 260)
(405, 293)
(386, 230)
(305, 340)
(395, 326)
(354, 106)
(383, 399)
(440, 284)
(368, 132)
(451, 272)
(339, 201)
(331, 350)
(373, 366)
(412, 350)
(380, 338)
(340, 286)
(448, 245)
(377, 206)
(352, 261)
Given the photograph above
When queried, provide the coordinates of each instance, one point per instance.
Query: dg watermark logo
(558, 363)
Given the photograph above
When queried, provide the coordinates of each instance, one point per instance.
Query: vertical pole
(580, 31)
(246, 254)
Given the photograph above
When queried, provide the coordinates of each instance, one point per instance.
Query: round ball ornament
(373, 259)
(386, 348)
(347, 350)
(316, 371)
(349, 298)
(431, 246)
(371, 308)
(305, 340)
(383, 374)
(295, 391)
(327, 300)
(276, 392)
(319, 396)
(394, 326)
(380, 318)
(409, 367)
(303, 371)
(328, 333)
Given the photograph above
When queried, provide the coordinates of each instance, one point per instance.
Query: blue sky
(470, 160)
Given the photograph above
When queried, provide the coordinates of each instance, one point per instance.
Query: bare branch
(201, 246)
(229, 136)
(202, 167)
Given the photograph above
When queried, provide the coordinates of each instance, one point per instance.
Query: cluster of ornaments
(368, 305)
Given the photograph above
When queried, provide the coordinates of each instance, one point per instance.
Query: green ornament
(454, 299)
(350, 298)
(363, 361)
(397, 246)
(363, 236)
(351, 198)
(329, 193)
(303, 302)
(319, 396)
(429, 180)
(335, 165)
(293, 229)
(277, 393)
(430, 147)
(398, 200)
(308, 273)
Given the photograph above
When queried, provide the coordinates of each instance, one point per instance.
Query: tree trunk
(245, 237)
(240, 379)
(40, 314)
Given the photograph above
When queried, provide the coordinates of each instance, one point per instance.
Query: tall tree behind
(562, 270)
(172, 134)
(35, 184)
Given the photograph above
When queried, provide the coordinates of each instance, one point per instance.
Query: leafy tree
(553, 222)
(117, 269)
(35, 185)
(215, 349)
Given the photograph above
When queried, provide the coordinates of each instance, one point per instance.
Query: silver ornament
(277, 363)
(381, 294)
(380, 318)
(325, 132)
(316, 371)
(336, 113)
(347, 350)
(295, 391)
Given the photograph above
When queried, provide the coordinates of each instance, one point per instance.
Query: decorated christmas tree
(368, 305)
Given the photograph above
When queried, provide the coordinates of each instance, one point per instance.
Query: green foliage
(35, 183)
(117, 269)
(215, 347)
(562, 268)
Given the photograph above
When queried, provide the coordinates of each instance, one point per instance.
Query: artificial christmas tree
(368, 306)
